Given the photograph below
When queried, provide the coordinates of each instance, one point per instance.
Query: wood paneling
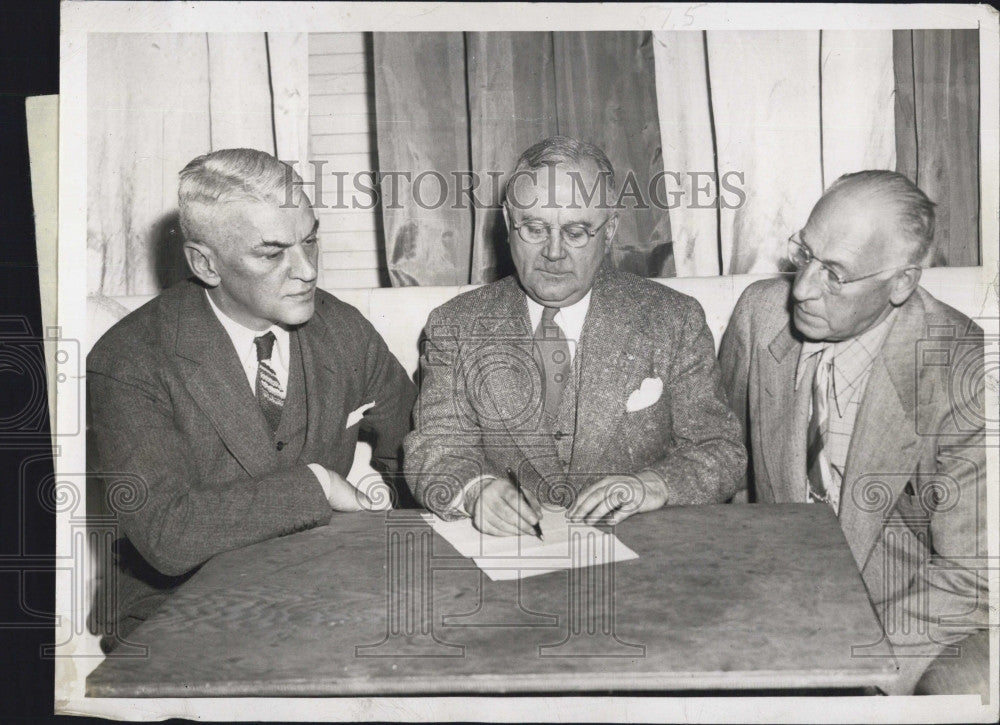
(342, 139)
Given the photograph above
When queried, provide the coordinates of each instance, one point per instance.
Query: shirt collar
(851, 358)
(569, 318)
(243, 337)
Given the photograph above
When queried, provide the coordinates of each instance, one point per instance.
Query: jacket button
(559, 435)
(281, 444)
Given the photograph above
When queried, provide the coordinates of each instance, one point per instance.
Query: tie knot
(265, 344)
(547, 327)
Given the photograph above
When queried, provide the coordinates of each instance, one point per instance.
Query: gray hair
(230, 175)
(914, 212)
(561, 150)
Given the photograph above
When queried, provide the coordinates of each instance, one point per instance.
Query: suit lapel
(611, 365)
(218, 384)
(884, 437)
(783, 435)
(326, 415)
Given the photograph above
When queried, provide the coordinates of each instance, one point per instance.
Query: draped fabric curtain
(742, 130)
(785, 113)
(155, 101)
(777, 114)
(460, 107)
(937, 132)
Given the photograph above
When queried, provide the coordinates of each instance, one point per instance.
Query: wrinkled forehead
(561, 186)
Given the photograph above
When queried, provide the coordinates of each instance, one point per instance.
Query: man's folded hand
(615, 498)
(345, 497)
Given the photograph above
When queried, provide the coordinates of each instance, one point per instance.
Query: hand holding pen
(501, 508)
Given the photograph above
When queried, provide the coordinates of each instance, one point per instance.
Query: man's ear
(903, 284)
(610, 229)
(201, 260)
(506, 216)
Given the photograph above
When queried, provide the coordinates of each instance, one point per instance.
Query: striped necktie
(270, 396)
(817, 460)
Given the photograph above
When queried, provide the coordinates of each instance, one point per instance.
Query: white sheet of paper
(565, 545)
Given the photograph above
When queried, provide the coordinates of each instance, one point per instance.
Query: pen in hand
(513, 479)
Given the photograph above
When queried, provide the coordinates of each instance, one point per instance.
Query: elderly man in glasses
(570, 384)
(860, 391)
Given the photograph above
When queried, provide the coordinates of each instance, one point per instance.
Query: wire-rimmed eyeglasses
(801, 256)
(572, 235)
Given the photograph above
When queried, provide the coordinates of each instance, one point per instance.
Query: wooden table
(737, 597)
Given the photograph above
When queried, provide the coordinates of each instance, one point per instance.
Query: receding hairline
(909, 219)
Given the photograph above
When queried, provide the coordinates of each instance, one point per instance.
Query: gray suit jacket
(913, 500)
(171, 411)
(479, 407)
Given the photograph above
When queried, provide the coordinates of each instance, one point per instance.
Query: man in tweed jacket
(639, 418)
(902, 454)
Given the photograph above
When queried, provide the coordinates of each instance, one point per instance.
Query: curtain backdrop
(448, 103)
(745, 129)
(155, 101)
(937, 132)
(790, 111)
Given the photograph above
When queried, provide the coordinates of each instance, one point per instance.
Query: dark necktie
(816, 458)
(270, 397)
(552, 353)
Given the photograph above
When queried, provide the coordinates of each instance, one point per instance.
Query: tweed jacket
(479, 407)
(170, 409)
(913, 497)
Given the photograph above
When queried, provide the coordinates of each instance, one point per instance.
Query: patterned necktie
(270, 396)
(817, 461)
(552, 354)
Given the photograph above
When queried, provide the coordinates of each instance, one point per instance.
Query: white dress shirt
(570, 319)
(243, 340)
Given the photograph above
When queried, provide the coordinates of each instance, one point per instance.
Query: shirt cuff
(323, 476)
(457, 505)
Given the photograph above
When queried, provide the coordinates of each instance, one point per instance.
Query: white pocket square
(357, 415)
(647, 394)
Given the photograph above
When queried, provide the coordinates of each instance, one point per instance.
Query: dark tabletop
(721, 597)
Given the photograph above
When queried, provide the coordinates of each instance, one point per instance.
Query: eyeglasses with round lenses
(801, 256)
(572, 235)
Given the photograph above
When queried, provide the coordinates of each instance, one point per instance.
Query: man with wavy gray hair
(234, 399)
(860, 391)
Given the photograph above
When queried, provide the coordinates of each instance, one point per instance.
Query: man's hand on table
(498, 508)
(615, 498)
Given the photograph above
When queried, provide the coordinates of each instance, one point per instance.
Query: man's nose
(303, 263)
(554, 248)
(808, 282)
